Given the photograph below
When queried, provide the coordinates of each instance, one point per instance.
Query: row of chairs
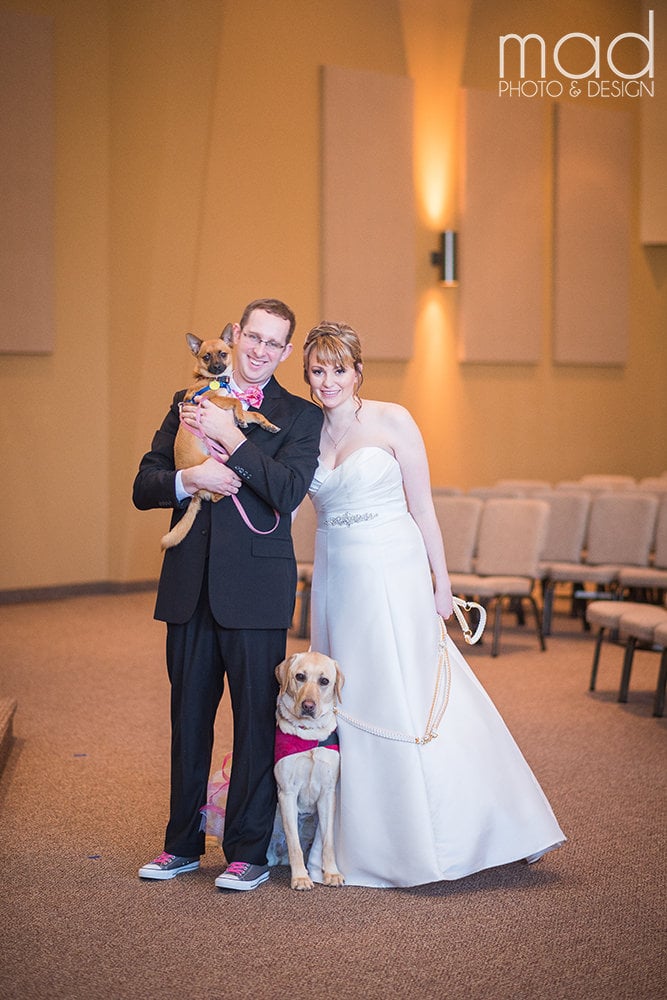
(616, 543)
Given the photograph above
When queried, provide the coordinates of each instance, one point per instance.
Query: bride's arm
(408, 447)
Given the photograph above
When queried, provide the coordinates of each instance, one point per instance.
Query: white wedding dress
(408, 814)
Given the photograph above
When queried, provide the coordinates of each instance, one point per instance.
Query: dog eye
(300, 677)
(323, 681)
(206, 358)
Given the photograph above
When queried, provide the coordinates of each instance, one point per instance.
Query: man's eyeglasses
(272, 346)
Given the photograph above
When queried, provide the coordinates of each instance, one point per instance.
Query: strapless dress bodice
(365, 488)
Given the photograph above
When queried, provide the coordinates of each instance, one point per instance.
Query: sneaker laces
(237, 868)
(163, 859)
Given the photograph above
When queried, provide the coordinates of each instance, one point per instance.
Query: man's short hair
(276, 308)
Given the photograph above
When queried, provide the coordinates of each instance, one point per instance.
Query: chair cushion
(607, 614)
(660, 634)
(491, 586)
(566, 572)
(641, 622)
(638, 576)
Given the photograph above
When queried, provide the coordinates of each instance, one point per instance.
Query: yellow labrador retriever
(307, 758)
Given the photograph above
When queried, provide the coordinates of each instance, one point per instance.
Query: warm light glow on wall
(435, 45)
(433, 325)
(428, 386)
(433, 184)
(433, 350)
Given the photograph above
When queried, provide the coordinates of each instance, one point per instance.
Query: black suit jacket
(251, 577)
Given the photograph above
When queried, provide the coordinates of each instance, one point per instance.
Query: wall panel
(26, 183)
(653, 138)
(592, 235)
(503, 228)
(368, 210)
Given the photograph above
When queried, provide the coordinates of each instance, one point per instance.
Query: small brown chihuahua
(211, 372)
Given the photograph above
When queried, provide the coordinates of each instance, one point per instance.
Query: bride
(410, 811)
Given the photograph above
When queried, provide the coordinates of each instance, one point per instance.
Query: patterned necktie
(253, 396)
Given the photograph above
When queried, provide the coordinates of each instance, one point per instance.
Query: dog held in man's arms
(212, 372)
(307, 756)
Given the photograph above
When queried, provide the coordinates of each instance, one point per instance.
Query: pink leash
(219, 454)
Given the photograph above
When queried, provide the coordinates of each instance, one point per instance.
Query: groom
(227, 594)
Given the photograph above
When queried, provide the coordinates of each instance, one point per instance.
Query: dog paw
(302, 882)
(333, 878)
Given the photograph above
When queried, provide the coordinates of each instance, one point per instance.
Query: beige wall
(187, 182)
(54, 441)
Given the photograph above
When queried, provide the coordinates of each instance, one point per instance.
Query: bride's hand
(444, 602)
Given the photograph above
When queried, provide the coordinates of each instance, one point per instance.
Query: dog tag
(214, 384)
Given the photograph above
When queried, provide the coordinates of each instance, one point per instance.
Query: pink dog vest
(287, 743)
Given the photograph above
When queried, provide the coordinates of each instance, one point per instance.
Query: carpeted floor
(83, 802)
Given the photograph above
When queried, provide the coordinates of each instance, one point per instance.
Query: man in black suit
(227, 594)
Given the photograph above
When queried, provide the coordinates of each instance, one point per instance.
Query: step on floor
(7, 710)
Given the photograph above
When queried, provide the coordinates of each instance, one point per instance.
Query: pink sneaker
(242, 875)
(168, 866)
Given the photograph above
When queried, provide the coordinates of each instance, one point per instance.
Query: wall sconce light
(445, 258)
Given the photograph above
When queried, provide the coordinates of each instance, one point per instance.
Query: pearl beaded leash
(459, 607)
(441, 692)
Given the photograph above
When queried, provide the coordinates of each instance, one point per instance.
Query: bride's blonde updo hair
(334, 344)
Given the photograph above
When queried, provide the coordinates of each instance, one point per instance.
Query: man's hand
(216, 423)
(210, 475)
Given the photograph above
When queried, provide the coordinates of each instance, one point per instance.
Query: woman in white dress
(409, 812)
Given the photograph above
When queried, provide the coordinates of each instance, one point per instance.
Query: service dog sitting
(212, 372)
(307, 759)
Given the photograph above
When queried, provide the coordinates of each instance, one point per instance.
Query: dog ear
(228, 335)
(283, 672)
(340, 680)
(194, 343)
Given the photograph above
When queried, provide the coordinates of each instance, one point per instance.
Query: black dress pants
(199, 655)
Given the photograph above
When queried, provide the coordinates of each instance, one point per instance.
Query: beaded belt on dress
(347, 519)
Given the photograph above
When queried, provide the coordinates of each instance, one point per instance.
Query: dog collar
(214, 384)
(287, 744)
